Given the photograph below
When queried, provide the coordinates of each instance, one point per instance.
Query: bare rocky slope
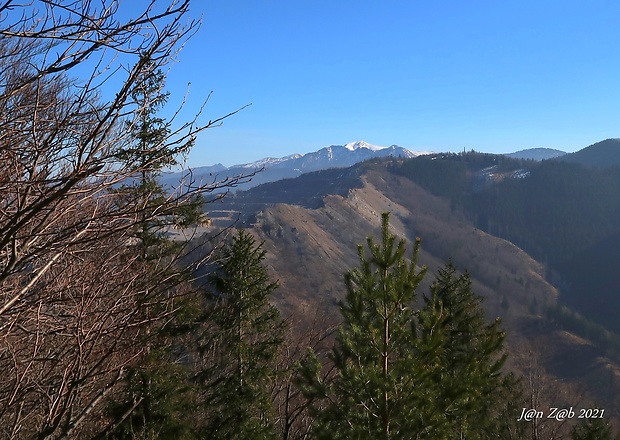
(311, 228)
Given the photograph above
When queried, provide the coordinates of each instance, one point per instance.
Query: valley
(311, 227)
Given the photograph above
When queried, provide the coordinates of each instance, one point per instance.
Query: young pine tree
(239, 349)
(153, 151)
(381, 387)
(400, 372)
(473, 390)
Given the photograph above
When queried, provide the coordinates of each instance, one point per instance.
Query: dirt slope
(309, 250)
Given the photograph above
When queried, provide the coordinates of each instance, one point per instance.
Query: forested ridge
(565, 214)
(557, 211)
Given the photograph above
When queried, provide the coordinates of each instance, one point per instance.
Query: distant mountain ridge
(537, 154)
(601, 154)
(273, 169)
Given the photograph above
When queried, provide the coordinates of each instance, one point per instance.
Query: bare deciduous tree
(294, 420)
(72, 288)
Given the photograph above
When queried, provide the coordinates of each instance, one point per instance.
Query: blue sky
(494, 76)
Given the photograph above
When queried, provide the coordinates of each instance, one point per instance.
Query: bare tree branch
(73, 288)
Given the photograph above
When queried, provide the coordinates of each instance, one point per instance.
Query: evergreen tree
(592, 429)
(239, 349)
(153, 151)
(381, 388)
(157, 400)
(402, 372)
(473, 390)
(154, 400)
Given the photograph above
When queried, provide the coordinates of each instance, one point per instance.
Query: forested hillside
(602, 154)
(563, 214)
(311, 244)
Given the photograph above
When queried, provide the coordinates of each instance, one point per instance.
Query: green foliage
(470, 351)
(152, 151)
(374, 392)
(157, 403)
(402, 372)
(154, 402)
(592, 429)
(239, 347)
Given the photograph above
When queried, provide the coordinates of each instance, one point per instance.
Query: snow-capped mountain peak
(267, 161)
(362, 144)
(272, 169)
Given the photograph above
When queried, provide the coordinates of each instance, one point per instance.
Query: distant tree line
(567, 319)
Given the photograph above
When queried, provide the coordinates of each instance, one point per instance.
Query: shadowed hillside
(602, 154)
(311, 227)
(564, 214)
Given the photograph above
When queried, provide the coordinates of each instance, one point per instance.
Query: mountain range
(273, 169)
(537, 236)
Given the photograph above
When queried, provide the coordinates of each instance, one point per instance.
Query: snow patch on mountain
(362, 144)
(272, 169)
(267, 161)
